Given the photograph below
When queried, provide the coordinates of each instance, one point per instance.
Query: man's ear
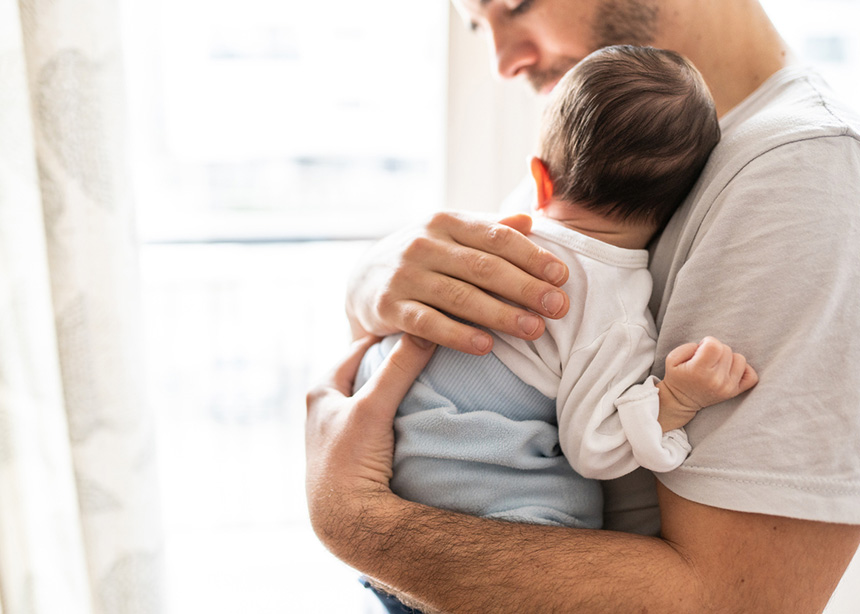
(542, 181)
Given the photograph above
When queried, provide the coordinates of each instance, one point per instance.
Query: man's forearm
(726, 562)
(458, 563)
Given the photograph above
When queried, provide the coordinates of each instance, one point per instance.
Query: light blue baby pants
(472, 437)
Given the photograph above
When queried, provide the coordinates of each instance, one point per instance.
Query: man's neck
(750, 49)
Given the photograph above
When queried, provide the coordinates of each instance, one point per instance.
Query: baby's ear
(542, 181)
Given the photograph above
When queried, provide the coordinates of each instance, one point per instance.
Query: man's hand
(455, 265)
(349, 439)
(699, 375)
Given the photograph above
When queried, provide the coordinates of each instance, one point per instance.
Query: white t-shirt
(765, 255)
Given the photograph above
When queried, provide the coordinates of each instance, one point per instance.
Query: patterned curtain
(79, 529)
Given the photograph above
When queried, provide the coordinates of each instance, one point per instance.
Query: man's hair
(628, 132)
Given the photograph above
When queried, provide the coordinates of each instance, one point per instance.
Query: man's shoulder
(782, 153)
(795, 106)
(792, 132)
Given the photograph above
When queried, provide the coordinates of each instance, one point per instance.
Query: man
(765, 515)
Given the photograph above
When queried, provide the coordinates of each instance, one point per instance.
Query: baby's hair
(628, 132)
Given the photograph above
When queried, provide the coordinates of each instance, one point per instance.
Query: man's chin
(547, 88)
(544, 82)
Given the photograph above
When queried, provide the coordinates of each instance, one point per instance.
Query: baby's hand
(699, 375)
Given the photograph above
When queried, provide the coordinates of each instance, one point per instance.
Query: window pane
(281, 118)
(824, 33)
(236, 334)
(268, 124)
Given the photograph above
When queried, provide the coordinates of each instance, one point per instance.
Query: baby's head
(626, 134)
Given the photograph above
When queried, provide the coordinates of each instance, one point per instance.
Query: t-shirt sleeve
(774, 271)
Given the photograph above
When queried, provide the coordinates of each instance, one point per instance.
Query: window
(823, 33)
(274, 119)
(274, 139)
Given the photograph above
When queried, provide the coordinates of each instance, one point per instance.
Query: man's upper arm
(774, 271)
(773, 268)
(754, 562)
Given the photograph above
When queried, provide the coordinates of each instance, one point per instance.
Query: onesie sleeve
(638, 409)
(607, 422)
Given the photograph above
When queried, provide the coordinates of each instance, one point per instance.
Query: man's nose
(513, 51)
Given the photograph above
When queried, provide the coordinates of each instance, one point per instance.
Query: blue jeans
(391, 603)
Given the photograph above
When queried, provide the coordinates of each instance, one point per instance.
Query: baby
(521, 433)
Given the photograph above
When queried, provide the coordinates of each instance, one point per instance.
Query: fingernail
(554, 272)
(553, 302)
(481, 343)
(528, 324)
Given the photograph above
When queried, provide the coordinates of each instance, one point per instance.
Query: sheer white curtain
(79, 530)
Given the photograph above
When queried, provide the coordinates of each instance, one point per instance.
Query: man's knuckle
(537, 259)
(498, 236)
(360, 407)
(416, 321)
(418, 248)
(440, 219)
(315, 399)
(385, 302)
(456, 295)
(483, 266)
(312, 397)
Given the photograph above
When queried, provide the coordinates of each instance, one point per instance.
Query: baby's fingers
(741, 375)
(712, 354)
(681, 354)
(748, 379)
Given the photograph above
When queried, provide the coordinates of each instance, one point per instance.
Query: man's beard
(540, 79)
(616, 22)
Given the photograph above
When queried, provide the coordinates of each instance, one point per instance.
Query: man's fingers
(449, 276)
(427, 323)
(497, 276)
(392, 380)
(342, 377)
(459, 267)
(511, 245)
(485, 273)
(520, 222)
(435, 293)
